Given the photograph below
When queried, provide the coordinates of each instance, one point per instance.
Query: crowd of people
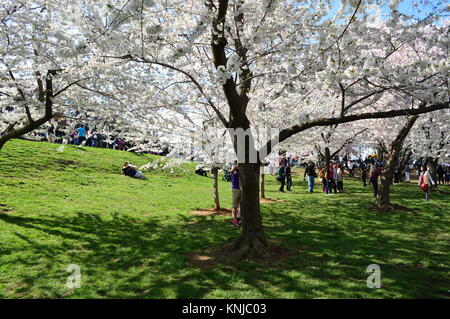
(83, 135)
(332, 175)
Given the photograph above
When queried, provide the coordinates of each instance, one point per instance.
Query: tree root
(253, 248)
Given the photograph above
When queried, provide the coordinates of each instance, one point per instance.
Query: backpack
(281, 174)
(423, 186)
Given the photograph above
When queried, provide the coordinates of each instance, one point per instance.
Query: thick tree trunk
(263, 195)
(44, 96)
(433, 163)
(327, 157)
(383, 201)
(215, 172)
(380, 153)
(405, 159)
(2, 142)
(252, 241)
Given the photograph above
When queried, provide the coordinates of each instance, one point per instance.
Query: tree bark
(46, 97)
(432, 164)
(252, 241)
(263, 194)
(383, 201)
(327, 156)
(215, 172)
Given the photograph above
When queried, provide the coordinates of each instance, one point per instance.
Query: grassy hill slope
(132, 238)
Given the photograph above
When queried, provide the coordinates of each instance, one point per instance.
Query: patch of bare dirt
(211, 212)
(223, 255)
(4, 209)
(271, 200)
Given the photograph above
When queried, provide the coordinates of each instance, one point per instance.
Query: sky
(416, 8)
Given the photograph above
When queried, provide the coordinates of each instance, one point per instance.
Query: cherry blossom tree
(42, 58)
(235, 56)
(265, 63)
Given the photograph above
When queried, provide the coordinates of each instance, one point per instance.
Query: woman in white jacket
(426, 181)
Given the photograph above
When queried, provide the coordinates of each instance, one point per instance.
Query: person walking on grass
(281, 177)
(447, 175)
(81, 135)
(334, 180)
(425, 182)
(375, 172)
(282, 161)
(51, 134)
(350, 168)
(407, 173)
(329, 180)
(311, 172)
(236, 195)
(288, 177)
(364, 174)
(75, 137)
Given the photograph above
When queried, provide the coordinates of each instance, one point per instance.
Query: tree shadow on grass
(344, 240)
(125, 257)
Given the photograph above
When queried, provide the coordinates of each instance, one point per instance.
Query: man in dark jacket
(311, 172)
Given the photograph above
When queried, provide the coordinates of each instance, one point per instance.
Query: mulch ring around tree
(223, 256)
(227, 212)
(211, 212)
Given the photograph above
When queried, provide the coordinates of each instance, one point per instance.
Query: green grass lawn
(131, 237)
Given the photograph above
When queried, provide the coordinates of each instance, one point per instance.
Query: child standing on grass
(323, 177)
(236, 195)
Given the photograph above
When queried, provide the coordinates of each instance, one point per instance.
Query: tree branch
(288, 132)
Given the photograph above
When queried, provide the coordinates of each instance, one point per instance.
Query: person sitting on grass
(200, 171)
(131, 170)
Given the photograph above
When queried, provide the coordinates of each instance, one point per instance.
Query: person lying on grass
(131, 170)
